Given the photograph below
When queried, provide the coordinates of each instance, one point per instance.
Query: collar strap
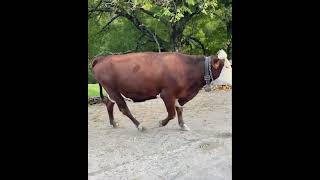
(207, 70)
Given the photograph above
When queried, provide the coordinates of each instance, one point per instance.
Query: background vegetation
(186, 26)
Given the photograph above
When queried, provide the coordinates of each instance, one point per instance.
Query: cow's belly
(140, 87)
(139, 97)
(139, 93)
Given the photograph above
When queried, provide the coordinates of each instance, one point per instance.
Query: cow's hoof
(115, 125)
(141, 128)
(160, 124)
(184, 127)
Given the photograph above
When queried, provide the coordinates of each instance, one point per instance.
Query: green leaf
(191, 2)
(204, 11)
(167, 12)
(147, 6)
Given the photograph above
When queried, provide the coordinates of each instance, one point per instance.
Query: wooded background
(198, 27)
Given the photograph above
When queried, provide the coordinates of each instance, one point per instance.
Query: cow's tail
(101, 93)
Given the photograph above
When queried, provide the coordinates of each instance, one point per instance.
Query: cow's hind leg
(110, 106)
(122, 105)
(169, 103)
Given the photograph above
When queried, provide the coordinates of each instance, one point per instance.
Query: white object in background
(225, 77)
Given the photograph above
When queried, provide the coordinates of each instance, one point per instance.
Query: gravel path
(166, 152)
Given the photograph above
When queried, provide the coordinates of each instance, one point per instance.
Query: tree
(188, 26)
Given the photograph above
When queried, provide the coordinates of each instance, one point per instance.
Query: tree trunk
(176, 36)
(229, 48)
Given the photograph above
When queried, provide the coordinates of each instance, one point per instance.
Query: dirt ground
(204, 152)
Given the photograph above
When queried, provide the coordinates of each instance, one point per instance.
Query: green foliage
(90, 75)
(93, 90)
(188, 26)
(191, 2)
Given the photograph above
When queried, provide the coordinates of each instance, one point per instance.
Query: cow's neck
(196, 75)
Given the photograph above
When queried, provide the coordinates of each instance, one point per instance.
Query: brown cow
(176, 77)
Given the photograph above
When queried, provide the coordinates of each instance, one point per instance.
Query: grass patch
(93, 90)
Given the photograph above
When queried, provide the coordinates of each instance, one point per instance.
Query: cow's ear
(215, 63)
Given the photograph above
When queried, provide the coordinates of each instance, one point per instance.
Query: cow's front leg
(179, 108)
(183, 126)
(169, 103)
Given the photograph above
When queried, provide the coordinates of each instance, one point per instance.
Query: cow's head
(221, 69)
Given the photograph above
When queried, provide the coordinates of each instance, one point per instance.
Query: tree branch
(142, 28)
(187, 17)
(155, 39)
(134, 20)
(105, 27)
(94, 10)
(198, 42)
(139, 42)
(99, 3)
(175, 10)
(153, 15)
(182, 23)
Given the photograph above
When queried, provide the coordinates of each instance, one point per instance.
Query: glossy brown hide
(143, 76)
